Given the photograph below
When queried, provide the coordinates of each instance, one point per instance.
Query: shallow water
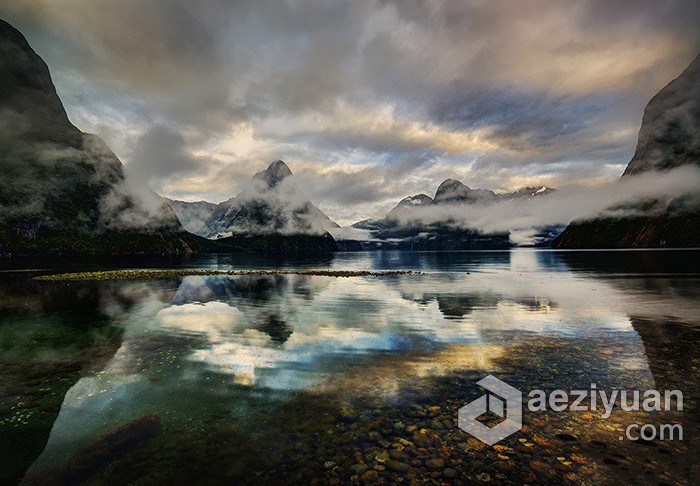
(292, 378)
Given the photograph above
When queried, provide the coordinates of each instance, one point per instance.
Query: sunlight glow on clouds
(401, 94)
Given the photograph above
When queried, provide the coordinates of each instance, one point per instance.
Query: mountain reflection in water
(203, 364)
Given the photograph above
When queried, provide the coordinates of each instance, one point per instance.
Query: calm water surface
(299, 379)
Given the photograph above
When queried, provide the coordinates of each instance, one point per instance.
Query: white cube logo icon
(502, 400)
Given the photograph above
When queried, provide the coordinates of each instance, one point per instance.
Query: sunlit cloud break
(491, 93)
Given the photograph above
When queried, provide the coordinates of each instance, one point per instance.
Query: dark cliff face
(669, 137)
(654, 231)
(62, 191)
(670, 132)
(44, 156)
(28, 95)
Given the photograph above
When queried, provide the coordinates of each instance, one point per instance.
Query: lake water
(299, 379)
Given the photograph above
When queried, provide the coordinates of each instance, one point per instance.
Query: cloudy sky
(366, 100)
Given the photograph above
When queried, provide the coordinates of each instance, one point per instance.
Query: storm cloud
(366, 100)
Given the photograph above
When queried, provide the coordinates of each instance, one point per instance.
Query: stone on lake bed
(370, 476)
(539, 466)
(435, 463)
(421, 440)
(399, 455)
(382, 456)
(358, 469)
(348, 413)
(397, 466)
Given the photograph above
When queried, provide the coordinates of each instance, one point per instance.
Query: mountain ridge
(63, 191)
(402, 228)
(669, 137)
(269, 204)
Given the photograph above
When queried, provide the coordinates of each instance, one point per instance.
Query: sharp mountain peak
(275, 173)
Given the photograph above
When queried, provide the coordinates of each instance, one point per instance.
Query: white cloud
(490, 92)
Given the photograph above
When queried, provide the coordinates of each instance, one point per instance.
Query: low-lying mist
(638, 195)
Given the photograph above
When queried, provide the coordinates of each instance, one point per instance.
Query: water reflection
(670, 262)
(50, 336)
(197, 351)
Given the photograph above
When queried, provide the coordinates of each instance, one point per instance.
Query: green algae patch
(175, 273)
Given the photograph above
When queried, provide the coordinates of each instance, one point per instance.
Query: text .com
(506, 402)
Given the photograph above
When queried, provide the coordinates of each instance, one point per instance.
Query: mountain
(452, 191)
(63, 191)
(669, 137)
(270, 204)
(414, 201)
(192, 215)
(269, 214)
(403, 228)
(526, 193)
